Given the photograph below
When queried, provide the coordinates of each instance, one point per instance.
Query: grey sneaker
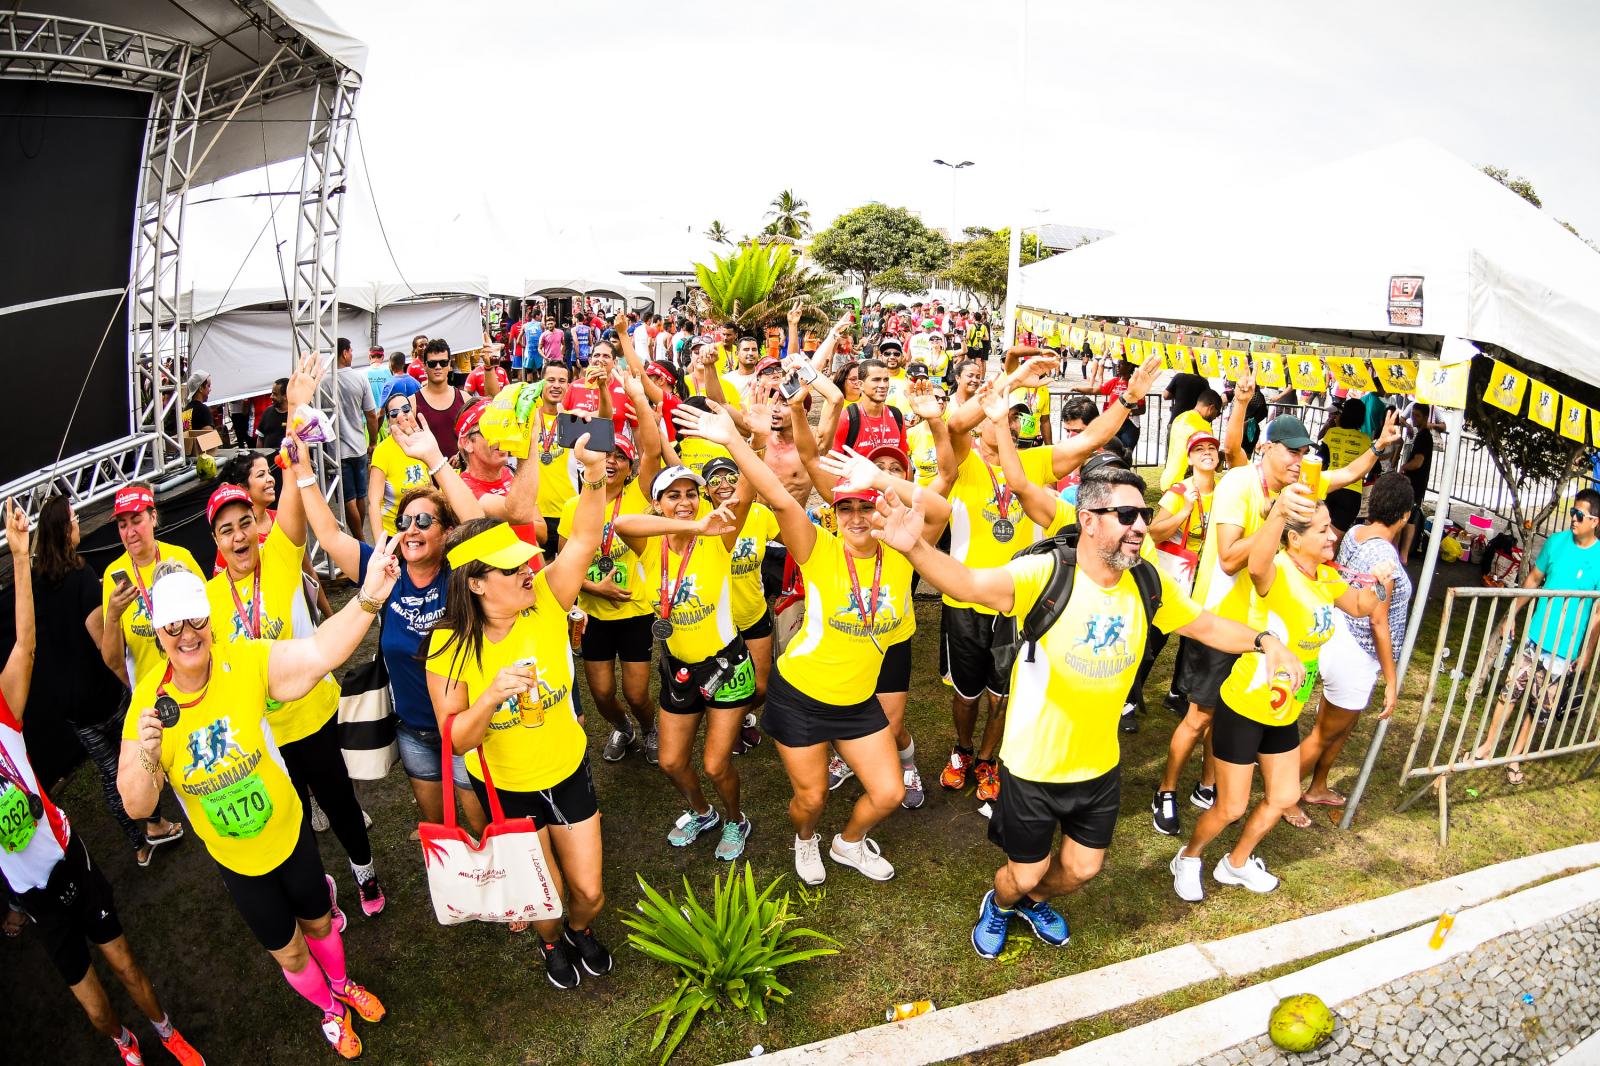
(838, 771)
(691, 825)
(319, 821)
(617, 745)
(652, 748)
(915, 797)
(863, 855)
(734, 834)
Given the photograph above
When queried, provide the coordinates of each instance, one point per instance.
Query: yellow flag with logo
(1156, 348)
(1075, 338)
(1443, 384)
(1133, 350)
(1396, 376)
(1351, 373)
(1234, 364)
(1544, 404)
(1208, 362)
(1269, 370)
(1306, 373)
(1507, 385)
(1180, 357)
(1574, 417)
(1096, 341)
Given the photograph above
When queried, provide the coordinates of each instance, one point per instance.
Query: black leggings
(103, 744)
(316, 764)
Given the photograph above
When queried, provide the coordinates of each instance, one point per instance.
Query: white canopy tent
(587, 283)
(1310, 257)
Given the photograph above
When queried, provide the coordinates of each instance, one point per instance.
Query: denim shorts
(353, 475)
(419, 754)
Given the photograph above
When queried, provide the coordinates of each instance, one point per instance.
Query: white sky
(515, 139)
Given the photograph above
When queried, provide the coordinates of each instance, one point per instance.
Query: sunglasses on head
(396, 412)
(436, 364)
(176, 628)
(1125, 514)
(421, 521)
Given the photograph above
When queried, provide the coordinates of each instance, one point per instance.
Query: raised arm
(424, 448)
(799, 535)
(1233, 437)
(295, 666)
(17, 676)
(901, 528)
(342, 548)
(565, 574)
(301, 390)
(625, 340)
(647, 431)
(1038, 503)
(717, 426)
(1070, 454)
(1357, 468)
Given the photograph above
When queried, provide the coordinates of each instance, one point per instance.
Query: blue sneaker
(691, 825)
(989, 935)
(734, 834)
(1048, 924)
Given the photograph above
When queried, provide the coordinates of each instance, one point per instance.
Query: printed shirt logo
(1102, 649)
(271, 628)
(509, 713)
(848, 619)
(209, 748)
(745, 560)
(687, 608)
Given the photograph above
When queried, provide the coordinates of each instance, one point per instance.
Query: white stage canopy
(457, 319)
(595, 283)
(245, 351)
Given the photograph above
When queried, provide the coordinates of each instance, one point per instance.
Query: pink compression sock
(313, 985)
(329, 953)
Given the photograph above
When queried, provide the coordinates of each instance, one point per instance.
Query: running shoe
(989, 935)
(339, 920)
(954, 775)
(808, 860)
(1252, 875)
(1186, 881)
(338, 1031)
(372, 898)
(691, 825)
(617, 745)
(652, 748)
(130, 1051)
(988, 775)
(1047, 923)
(915, 797)
(1164, 813)
(591, 953)
(319, 821)
(734, 834)
(864, 856)
(180, 1049)
(361, 1001)
(838, 771)
(1129, 722)
(1176, 702)
(558, 965)
(1203, 796)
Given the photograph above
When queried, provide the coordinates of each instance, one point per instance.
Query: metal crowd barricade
(1466, 707)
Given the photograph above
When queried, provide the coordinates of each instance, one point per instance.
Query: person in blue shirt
(582, 341)
(378, 373)
(1560, 636)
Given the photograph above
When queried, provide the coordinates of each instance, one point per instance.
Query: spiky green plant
(755, 287)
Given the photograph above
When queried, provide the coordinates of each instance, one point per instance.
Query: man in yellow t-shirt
(556, 485)
(1198, 419)
(1060, 758)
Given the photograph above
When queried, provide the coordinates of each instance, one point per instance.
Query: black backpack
(1009, 637)
(853, 430)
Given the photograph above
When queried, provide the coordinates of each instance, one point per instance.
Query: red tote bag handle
(497, 814)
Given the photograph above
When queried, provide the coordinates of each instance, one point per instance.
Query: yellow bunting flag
(1155, 348)
(1396, 376)
(1351, 373)
(1269, 370)
(1097, 342)
(1544, 404)
(1506, 388)
(1594, 422)
(1180, 358)
(1443, 384)
(1075, 338)
(1234, 364)
(1133, 350)
(1574, 417)
(1306, 373)
(1208, 362)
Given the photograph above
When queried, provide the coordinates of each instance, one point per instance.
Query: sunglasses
(1579, 516)
(511, 571)
(421, 521)
(176, 628)
(722, 479)
(436, 364)
(1125, 514)
(396, 412)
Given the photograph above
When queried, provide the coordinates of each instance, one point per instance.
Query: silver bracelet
(440, 465)
(305, 482)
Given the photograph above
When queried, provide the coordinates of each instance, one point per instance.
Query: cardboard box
(197, 441)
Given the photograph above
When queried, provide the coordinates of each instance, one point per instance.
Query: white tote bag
(502, 878)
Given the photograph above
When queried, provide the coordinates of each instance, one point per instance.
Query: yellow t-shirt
(702, 606)
(1194, 527)
(749, 602)
(529, 748)
(900, 391)
(1240, 500)
(401, 474)
(696, 453)
(555, 476)
(281, 615)
(223, 762)
(834, 658)
(924, 453)
(1066, 703)
(1184, 426)
(141, 653)
(1298, 610)
(1345, 447)
(625, 565)
(974, 509)
(731, 396)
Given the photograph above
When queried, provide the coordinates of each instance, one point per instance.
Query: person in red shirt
(503, 496)
(1112, 389)
(870, 422)
(478, 386)
(583, 397)
(414, 367)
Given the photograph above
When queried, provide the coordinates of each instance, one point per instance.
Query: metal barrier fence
(1492, 701)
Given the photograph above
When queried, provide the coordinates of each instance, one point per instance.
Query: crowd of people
(755, 530)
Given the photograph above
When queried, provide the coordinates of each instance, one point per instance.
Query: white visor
(664, 480)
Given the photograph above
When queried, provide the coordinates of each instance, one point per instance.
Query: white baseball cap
(664, 480)
(178, 595)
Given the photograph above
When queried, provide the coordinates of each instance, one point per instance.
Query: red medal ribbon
(855, 589)
(251, 618)
(144, 593)
(1002, 497)
(611, 529)
(547, 432)
(668, 595)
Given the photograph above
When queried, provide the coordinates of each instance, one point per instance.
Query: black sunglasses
(422, 521)
(175, 629)
(1125, 514)
(436, 364)
(1579, 516)
(396, 412)
(512, 571)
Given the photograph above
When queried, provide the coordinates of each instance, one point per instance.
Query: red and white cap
(869, 495)
(1200, 437)
(470, 418)
(224, 495)
(131, 499)
(894, 452)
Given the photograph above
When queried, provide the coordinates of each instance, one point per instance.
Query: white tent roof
(1310, 258)
(595, 283)
(199, 304)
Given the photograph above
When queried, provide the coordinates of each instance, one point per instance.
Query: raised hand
(895, 524)
(1244, 388)
(1296, 502)
(924, 404)
(1390, 434)
(1143, 378)
(382, 571)
(854, 470)
(995, 404)
(1031, 375)
(718, 523)
(419, 444)
(16, 530)
(715, 425)
(794, 314)
(302, 387)
(620, 323)
(593, 462)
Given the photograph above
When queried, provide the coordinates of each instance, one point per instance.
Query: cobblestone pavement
(1526, 998)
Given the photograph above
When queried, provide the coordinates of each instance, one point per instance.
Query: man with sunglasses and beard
(440, 403)
(1059, 755)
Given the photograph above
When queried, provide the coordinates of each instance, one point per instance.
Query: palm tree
(717, 234)
(789, 216)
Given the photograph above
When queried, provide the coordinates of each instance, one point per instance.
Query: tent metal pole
(1455, 422)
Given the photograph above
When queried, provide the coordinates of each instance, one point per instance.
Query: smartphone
(790, 387)
(121, 579)
(602, 433)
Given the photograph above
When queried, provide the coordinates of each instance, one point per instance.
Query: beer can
(901, 1011)
(529, 703)
(1311, 473)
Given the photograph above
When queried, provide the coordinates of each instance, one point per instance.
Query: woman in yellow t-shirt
(393, 473)
(500, 676)
(750, 614)
(1295, 591)
(200, 724)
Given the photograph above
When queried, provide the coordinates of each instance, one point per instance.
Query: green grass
(477, 994)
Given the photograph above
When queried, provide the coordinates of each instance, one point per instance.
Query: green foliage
(865, 244)
(981, 262)
(789, 217)
(716, 233)
(1519, 184)
(727, 958)
(755, 286)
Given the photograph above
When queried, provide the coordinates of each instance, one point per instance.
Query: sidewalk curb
(1021, 1013)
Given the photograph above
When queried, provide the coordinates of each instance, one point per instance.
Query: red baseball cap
(869, 495)
(625, 446)
(894, 452)
(1202, 437)
(132, 499)
(469, 419)
(769, 363)
(224, 495)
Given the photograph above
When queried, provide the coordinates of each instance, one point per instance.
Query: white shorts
(1348, 672)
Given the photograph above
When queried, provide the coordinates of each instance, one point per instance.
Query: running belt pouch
(502, 878)
(366, 722)
(701, 673)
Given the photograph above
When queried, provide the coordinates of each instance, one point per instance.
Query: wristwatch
(1125, 402)
(1263, 635)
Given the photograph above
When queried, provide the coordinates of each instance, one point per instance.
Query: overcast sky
(518, 138)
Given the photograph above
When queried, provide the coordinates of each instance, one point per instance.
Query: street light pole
(954, 169)
(1014, 255)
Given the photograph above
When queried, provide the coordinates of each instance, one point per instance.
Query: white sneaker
(863, 856)
(1253, 875)
(838, 771)
(808, 860)
(1186, 877)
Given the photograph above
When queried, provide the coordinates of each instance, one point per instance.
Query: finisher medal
(1004, 530)
(605, 564)
(167, 710)
(661, 628)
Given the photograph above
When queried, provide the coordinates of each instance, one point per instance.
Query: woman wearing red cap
(259, 597)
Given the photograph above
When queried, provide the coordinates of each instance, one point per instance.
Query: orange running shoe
(341, 1034)
(988, 780)
(361, 1001)
(180, 1049)
(954, 775)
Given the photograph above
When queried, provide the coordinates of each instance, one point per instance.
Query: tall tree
(789, 217)
(981, 265)
(716, 233)
(864, 244)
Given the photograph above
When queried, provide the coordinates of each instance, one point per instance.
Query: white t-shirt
(29, 868)
(355, 399)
